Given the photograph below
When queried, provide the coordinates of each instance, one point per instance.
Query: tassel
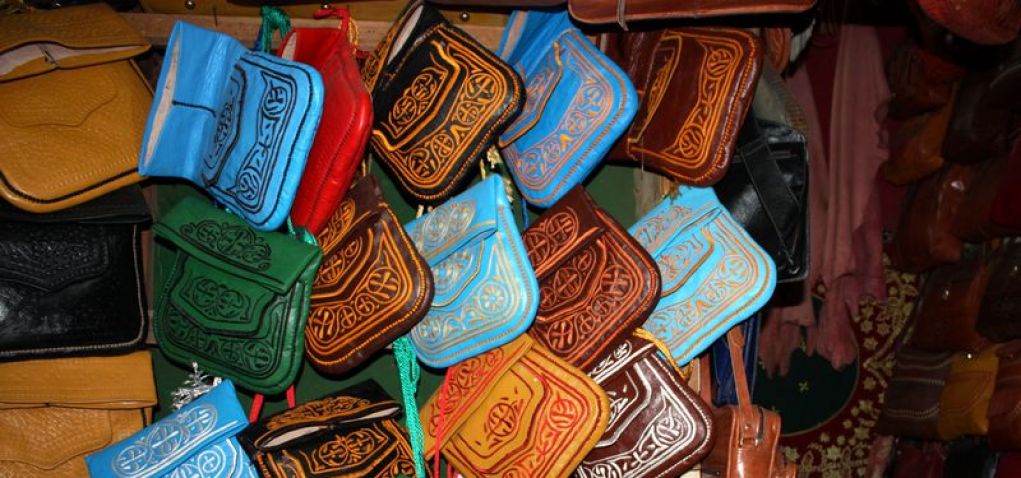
(273, 19)
(407, 368)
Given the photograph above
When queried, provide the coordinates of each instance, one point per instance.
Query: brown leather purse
(1004, 408)
(924, 239)
(624, 11)
(1001, 303)
(965, 400)
(948, 308)
(911, 402)
(916, 147)
(978, 128)
(695, 86)
(920, 81)
(372, 287)
(596, 283)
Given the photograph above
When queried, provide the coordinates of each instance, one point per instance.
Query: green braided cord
(407, 368)
(273, 19)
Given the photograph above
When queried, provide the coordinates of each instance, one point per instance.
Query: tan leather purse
(965, 400)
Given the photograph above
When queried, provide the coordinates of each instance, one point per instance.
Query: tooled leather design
(545, 239)
(218, 300)
(168, 440)
(445, 225)
(317, 410)
(234, 241)
(378, 450)
(51, 257)
(221, 460)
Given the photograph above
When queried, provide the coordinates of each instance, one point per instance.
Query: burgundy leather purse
(924, 239)
(948, 308)
(623, 11)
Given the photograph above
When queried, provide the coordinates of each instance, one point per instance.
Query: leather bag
(976, 222)
(579, 102)
(340, 142)
(486, 292)
(197, 440)
(53, 412)
(517, 410)
(919, 460)
(911, 403)
(1005, 212)
(695, 86)
(713, 274)
(965, 400)
(501, 3)
(924, 239)
(916, 147)
(596, 283)
(662, 427)
(71, 281)
(624, 11)
(237, 123)
(440, 100)
(978, 128)
(920, 81)
(372, 288)
(353, 432)
(1001, 307)
(235, 300)
(948, 308)
(1004, 413)
(724, 387)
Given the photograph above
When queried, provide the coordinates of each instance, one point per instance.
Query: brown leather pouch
(916, 147)
(924, 239)
(965, 400)
(624, 11)
(911, 402)
(1005, 406)
(948, 307)
(1001, 303)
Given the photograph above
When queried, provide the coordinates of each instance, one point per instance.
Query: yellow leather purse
(54, 412)
(964, 403)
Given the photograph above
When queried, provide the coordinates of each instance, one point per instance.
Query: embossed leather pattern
(964, 404)
(195, 441)
(237, 123)
(695, 86)
(658, 425)
(71, 282)
(440, 99)
(911, 403)
(517, 410)
(351, 433)
(596, 283)
(578, 103)
(486, 292)
(373, 285)
(235, 300)
(713, 274)
(347, 119)
(621, 11)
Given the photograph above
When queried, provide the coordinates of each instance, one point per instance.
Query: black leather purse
(766, 190)
(71, 281)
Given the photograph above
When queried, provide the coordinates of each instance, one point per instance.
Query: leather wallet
(596, 283)
(197, 440)
(1004, 414)
(911, 403)
(517, 410)
(235, 300)
(71, 281)
(713, 274)
(578, 103)
(55, 411)
(486, 292)
(658, 425)
(373, 285)
(237, 123)
(440, 99)
(344, 129)
(623, 11)
(949, 306)
(964, 404)
(695, 86)
(353, 432)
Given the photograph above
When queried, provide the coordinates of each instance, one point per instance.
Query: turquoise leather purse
(714, 275)
(486, 291)
(578, 103)
(234, 122)
(197, 441)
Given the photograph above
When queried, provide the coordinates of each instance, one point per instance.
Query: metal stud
(324, 5)
(465, 16)
(946, 294)
(189, 4)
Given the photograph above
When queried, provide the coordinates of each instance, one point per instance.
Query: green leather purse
(235, 300)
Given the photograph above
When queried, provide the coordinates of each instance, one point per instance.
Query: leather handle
(735, 344)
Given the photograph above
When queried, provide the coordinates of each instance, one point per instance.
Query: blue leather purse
(486, 291)
(196, 441)
(714, 275)
(237, 123)
(578, 103)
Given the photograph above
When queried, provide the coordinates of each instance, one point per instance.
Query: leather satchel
(340, 142)
(372, 288)
(713, 274)
(695, 86)
(579, 102)
(916, 147)
(1001, 302)
(486, 292)
(517, 410)
(235, 300)
(924, 239)
(661, 428)
(197, 440)
(596, 283)
(624, 11)
(948, 308)
(237, 123)
(71, 281)
(353, 432)
(911, 403)
(1004, 413)
(440, 100)
(965, 400)
(53, 412)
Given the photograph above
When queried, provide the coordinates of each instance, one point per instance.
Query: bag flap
(530, 46)
(116, 381)
(123, 206)
(462, 221)
(52, 256)
(567, 227)
(361, 207)
(45, 438)
(216, 301)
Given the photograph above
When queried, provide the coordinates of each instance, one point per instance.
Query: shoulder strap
(735, 342)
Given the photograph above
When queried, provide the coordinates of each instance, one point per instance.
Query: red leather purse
(344, 128)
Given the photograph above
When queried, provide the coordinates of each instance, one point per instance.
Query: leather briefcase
(237, 123)
(624, 11)
(71, 281)
(948, 308)
(1004, 419)
(440, 99)
(353, 432)
(235, 300)
(695, 86)
(486, 292)
(924, 238)
(596, 283)
(713, 275)
(662, 427)
(53, 412)
(916, 147)
(339, 144)
(372, 288)
(997, 318)
(911, 403)
(965, 400)
(517, 410)
(197, 440)
(579, 102)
